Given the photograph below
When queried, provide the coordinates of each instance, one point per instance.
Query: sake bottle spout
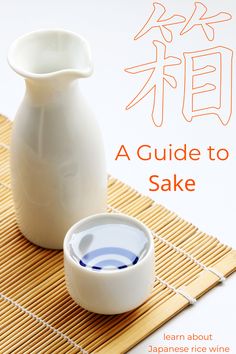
(45, 55)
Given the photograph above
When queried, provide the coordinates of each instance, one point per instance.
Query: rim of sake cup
(120, 216)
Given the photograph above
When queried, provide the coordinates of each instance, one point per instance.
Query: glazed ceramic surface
(57, 155)
(109, 273)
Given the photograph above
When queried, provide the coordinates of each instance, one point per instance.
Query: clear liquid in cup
(108, 246)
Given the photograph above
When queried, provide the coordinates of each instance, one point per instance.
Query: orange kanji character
(156, 20)
(198, 19)
(155, 81)
(208, 84)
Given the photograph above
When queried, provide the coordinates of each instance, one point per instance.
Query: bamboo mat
(40, 317)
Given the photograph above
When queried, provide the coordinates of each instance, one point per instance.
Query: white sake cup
(109, 291)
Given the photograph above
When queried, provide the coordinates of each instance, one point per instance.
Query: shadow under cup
(109, 263)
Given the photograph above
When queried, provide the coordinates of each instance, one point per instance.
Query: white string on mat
(217, 273)
(190, 257)
(5, 185)
(5, 146)
(44, 323)
(180, 291)
(181, 251)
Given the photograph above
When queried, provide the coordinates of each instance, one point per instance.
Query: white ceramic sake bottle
(57, 155)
